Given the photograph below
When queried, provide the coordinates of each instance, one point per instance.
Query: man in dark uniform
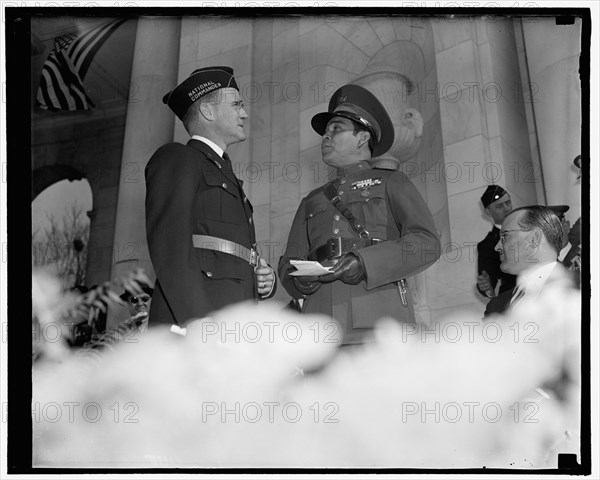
(370, 223)
(198, 220)
(497, 204)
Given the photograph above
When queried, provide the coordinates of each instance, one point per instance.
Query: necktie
(227, 162)
(518, 293)
(228, 169)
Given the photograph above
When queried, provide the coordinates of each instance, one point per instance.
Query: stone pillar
(552, 53)
(149, 124)
(485, 140)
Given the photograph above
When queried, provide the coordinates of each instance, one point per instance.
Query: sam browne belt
(330, 192)
(338, 246)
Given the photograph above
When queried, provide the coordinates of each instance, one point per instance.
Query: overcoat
(392, 210)
(190, 190)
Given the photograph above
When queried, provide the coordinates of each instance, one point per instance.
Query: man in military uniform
(497, 204)
(198, 220)
(370, 223)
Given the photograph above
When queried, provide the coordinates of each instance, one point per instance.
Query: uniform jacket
(390, 207)
(189, 192)
(488, 259)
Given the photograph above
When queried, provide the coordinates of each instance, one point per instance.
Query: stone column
(149, 124)
(552, 53)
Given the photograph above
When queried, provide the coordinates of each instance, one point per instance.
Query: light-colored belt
(226, 246)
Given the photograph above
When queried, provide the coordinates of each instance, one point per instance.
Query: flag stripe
(44, 92)
(61, 81)
(56, 87)
(85, 47)
(75, 49)
(74, 83)
(87, 59)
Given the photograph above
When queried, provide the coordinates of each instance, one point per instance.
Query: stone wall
(485, 140)
(467, 79)
(287, 70)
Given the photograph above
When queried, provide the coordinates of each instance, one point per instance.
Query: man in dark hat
(497, 204)
(370, 224)
(138, 306)
(198, 219)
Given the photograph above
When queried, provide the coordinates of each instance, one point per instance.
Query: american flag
(61, 83)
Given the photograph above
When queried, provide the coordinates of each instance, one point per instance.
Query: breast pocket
(318, 220)
(371, 205)
(221, 200)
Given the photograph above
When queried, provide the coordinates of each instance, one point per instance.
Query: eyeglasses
(238, 104)
(504, 232)
(142, 299)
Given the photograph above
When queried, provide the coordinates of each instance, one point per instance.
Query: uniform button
(249, 220)
(224, 185)
(336, 231)
(341, 192)
(310, 215)
(342, 181)
(336, 217)
(209, 274)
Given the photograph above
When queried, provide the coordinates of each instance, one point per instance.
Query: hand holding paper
(307, 268)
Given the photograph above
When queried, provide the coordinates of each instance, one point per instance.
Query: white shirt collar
(210, 143)
(563, 253)
(533, 280)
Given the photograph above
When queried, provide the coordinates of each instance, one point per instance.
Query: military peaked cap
(356, 103)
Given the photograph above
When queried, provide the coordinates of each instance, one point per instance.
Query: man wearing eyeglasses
(530, 241)
(497, 204)
(138, 306)
(199, 222)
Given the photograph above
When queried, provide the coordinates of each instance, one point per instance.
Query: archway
(60, 223)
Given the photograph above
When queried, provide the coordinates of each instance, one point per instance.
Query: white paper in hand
(307, 267)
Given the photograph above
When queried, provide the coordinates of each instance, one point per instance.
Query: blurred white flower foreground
(230, 393)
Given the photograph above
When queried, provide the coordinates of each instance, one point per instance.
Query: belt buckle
(253, 257)
(335, 247)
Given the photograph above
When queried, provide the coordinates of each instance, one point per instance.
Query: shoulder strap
(330, 191)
